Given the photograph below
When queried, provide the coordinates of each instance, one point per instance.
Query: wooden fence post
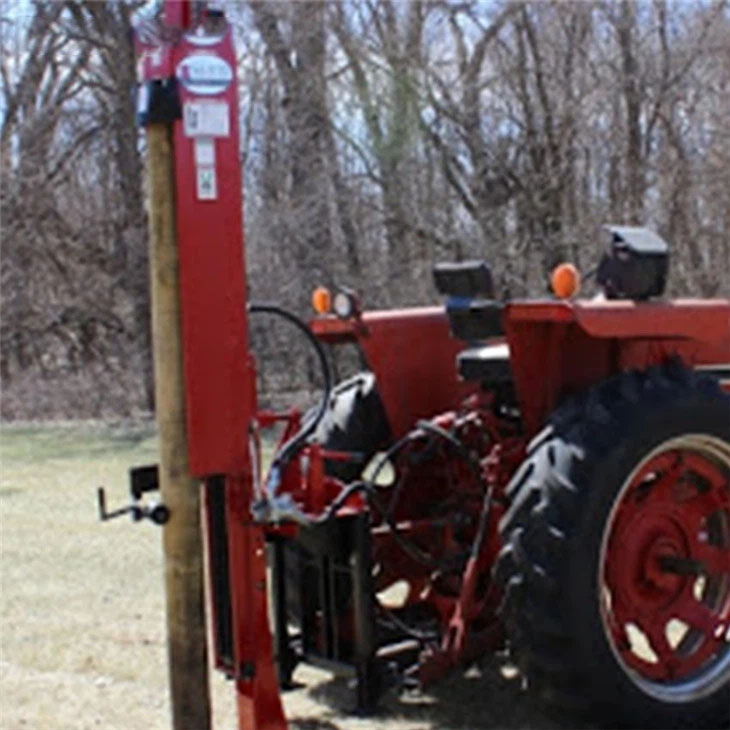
(182, 537)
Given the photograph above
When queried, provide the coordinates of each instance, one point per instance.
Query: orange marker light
(565, 281)
(321, 300)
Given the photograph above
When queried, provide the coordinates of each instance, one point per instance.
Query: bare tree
(74, 251)
(295, 37)
(378, 137)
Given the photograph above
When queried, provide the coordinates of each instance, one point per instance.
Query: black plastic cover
(158, 101)
(464, 279)
(638, 240)
(636, 265)
(355, 421)
(143, 479)
(487, 364)
(475, 319)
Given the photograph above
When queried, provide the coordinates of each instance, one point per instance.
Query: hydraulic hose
(290, 449)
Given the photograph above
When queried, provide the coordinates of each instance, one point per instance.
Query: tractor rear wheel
(616, 558)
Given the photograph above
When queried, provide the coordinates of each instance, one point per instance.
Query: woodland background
(378, 137)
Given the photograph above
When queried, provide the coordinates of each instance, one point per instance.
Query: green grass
(82, 606)
(82, 602)
(32, 443)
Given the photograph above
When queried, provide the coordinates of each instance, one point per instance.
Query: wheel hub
(665, 569)
(642, 549)
(655, 571)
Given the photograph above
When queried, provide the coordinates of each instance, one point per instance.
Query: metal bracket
(142, 479)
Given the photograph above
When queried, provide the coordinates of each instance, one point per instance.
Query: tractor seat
(474, 315)
(486, 363)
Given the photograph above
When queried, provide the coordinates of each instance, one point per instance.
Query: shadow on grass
(9, 492)
(312, 724)
(479, 698)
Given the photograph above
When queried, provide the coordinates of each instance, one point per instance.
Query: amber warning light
(565, 281)
(321, 300)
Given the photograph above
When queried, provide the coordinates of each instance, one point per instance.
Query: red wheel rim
(664, 578)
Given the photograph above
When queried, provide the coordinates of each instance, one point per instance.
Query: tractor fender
(562, 348)
(696, 319)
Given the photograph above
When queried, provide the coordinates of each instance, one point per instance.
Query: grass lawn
(82, 605)
(82, 641)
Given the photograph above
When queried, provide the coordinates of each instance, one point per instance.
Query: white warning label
(204, 151)
(207, 185)
(206, 119)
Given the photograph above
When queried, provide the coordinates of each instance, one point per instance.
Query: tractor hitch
(142, 479)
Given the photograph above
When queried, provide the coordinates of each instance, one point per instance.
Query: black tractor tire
(561, 502)
(354, 421)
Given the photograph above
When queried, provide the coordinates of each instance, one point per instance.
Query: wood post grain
(182, 536)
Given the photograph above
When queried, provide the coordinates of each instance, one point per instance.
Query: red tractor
(558, 477)
(549, 475)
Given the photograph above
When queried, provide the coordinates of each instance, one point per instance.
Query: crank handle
(157, 512)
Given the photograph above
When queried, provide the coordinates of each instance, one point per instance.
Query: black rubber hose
(458, 444)
(368, 486)
(290, 449)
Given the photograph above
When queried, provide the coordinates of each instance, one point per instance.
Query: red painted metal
(677, 318)
(220, 399)
(438, 490)
(178, 14)
(412, 354)
(625, 318)
(210, 234)
(336, 331)
(662, 514)
(256, 678)
(558, 348)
